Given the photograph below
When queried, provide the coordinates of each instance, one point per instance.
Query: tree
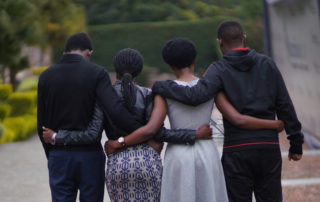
(58, 20)
(17, 28)
(43, 22)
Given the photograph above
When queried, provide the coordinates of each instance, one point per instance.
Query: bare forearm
(240, 120)
(156, 120)
(138, 136)
(251, 123)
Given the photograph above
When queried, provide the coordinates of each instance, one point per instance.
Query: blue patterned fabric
(134, 174)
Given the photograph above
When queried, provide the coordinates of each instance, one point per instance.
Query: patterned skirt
(134, 174)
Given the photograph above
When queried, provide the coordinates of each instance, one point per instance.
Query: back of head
(128, 61)
(230, 32)
(179, 52)
(128, 64)
(79, 41)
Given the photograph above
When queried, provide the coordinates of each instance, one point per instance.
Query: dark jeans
(257, 170)
(73, 170)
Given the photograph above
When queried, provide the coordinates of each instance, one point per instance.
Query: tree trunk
(13, 80)
(2, 74)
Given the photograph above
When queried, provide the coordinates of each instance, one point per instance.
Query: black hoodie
(255, 87)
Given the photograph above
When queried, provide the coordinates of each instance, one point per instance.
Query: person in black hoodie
(254, 86)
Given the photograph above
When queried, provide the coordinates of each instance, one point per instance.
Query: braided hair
(128, 64)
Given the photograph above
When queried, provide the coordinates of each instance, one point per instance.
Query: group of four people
(77, 100)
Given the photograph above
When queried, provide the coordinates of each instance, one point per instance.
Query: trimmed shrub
(19, 128)
(22, 102)
(28, 84)
(149, 38)
(38, 70)
(1, 131)
(5, 110)
(5, 91)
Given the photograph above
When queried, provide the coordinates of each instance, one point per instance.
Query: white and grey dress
(192, 173)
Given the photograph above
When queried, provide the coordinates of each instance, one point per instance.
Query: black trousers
(257, 170)
(70, 171)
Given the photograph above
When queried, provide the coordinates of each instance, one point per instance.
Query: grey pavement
(24, 172)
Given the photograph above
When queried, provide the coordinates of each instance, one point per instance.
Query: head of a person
(230, 35)
(179, 53)
(128, 64)
(79, 43)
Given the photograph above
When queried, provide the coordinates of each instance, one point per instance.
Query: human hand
(155, 145)
(280, 126)
(294, 157)
(204, 132)
(111, 146)
(47, 134)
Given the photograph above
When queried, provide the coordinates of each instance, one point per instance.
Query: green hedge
(5, 110)
(18, 111)
(28, 84)
(5, 91)
(149, 38)
(18, 128)
(22, 102)
(1, 131)
(38, 70)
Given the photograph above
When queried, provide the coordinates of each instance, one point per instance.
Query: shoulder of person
(46, 72)
(216, 67)
(146, 92)
(263, 58)
(95, 66)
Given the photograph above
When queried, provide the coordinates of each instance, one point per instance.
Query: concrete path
(24, 172)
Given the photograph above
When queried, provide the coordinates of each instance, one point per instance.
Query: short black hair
(230, 32)
(78, 41)
(179, 52)
(128, 61)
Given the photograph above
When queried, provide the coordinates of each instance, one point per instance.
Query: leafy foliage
(18, 128)
(5, 91)
(149, 38)
(119, 11)
(22, 102)
(43, 22)
(28, 84)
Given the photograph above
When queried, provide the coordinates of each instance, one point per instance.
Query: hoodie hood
(242, 60)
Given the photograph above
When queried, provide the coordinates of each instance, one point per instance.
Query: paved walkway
(24, 173)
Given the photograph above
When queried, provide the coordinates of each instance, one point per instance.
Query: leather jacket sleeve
(89, 136)
(176, 136)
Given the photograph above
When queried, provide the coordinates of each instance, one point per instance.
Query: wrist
(296, 149)
(121, 142)
(53, 138)
(197, 134)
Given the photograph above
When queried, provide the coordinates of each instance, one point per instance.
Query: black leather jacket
(141, 112)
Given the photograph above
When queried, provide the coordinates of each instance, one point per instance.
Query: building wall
(295, 46)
